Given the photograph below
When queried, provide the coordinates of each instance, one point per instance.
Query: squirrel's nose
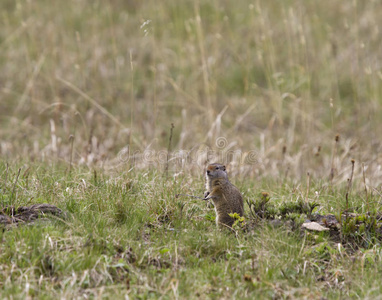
(208, 171)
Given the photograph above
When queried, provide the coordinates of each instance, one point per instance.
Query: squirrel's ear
(223, 168)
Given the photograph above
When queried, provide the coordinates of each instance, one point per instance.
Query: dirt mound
(23, 214)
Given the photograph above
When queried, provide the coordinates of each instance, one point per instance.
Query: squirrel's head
(216, 171)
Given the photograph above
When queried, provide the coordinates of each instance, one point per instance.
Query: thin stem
(14, 185)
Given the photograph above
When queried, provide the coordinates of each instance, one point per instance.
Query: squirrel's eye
(217, 168)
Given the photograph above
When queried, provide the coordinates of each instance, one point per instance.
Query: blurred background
(99, 83)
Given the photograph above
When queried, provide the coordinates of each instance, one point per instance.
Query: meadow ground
(108, 109)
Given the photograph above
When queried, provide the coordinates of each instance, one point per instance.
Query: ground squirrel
(225, 196)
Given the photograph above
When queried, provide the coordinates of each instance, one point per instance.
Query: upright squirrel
(224, 195)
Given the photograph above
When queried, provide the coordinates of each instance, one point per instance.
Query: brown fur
(209, 180)
(224, 195)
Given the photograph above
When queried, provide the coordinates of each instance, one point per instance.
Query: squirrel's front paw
(209, 204)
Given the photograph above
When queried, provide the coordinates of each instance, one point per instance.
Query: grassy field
(108, 109)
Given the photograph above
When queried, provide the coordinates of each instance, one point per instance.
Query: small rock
(314, 226)
(276, 223)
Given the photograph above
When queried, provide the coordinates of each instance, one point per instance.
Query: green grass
(88, 93)
(129, 235)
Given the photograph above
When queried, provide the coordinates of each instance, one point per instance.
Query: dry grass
(262, 75)
(88, 93)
